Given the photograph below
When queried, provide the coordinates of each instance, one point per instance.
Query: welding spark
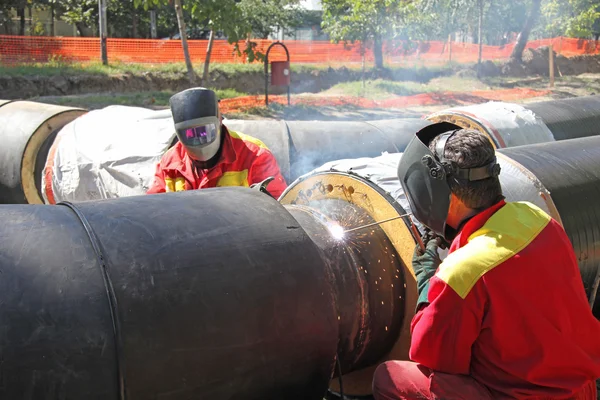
(336, 230)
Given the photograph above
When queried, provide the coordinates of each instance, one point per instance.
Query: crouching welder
(505, 315)
(208, 154)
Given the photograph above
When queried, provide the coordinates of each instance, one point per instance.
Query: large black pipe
(569, 118)
(177, 296)
(221, 293)
(570, 172)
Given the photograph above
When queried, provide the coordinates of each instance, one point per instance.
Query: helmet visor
(198, 136)
(426, 189)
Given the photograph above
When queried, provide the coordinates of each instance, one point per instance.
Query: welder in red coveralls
(505, 315)
(209, 155)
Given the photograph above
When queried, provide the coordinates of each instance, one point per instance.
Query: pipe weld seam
(110, 294)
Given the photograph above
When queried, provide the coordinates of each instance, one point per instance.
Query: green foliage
(239, 20)
(370, 20)
(359, 20)
(571, 18)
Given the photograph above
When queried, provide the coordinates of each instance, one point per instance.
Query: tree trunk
(134, 23)
(21, 14)
(153, 30)
(30, 20)
(364, 66)
(103, 31)
(81, 29)
(480, 37)
(184, 43)
(211, 40)
(378, 51)
(517, 53)
(52, 17)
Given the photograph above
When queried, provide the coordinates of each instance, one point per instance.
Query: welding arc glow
(336, 230)
(339, 233)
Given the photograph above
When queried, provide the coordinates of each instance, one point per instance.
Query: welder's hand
(262, 186)
(425, 264)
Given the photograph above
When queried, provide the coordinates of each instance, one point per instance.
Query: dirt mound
(536, 62)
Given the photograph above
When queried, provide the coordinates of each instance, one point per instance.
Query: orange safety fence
(24, 49)
(244, 103)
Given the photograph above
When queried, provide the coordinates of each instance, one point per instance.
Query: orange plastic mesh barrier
(23, 49)
(238, 104)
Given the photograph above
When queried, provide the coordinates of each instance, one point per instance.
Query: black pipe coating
(570, 170)
(172, 296)
(569, 118)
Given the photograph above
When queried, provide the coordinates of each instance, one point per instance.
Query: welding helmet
(197, 122)
(425, 176)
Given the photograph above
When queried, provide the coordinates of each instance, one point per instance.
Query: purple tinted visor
(198, 136)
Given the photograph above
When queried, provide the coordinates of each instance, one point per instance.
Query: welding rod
(377, 223)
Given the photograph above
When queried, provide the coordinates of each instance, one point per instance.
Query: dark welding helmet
(425, 176)
(197, 122)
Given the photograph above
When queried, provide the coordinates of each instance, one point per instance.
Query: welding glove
(425, 264)
(262, 186)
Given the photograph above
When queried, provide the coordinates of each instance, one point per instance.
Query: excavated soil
(20, 87)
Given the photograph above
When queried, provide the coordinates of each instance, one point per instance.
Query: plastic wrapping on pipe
(225, 298)
(570, 118)
(506, 124)
(113, 152)
(106, 153)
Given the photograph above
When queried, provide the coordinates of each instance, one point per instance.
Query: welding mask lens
(198, 136)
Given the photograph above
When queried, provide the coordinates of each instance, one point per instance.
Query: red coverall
(507, 317)
(244, 161)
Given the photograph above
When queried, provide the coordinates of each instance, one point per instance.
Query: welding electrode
(412, 227)
(377, 223)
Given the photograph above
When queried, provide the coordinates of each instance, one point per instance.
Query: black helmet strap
(445, 168)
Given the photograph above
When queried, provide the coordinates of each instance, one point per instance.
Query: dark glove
(425, 264)
(262, 186)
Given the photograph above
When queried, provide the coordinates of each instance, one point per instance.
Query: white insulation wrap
(508, 124)
(106, 153)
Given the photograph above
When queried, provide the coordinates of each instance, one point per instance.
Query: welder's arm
(158, 185)
(424, 264)
(443, 331)
(266, 166)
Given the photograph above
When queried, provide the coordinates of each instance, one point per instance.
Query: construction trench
(227, 293)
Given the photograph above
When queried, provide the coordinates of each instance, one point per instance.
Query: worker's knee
(399, 380)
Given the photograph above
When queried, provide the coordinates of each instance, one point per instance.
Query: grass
(153, 99)
(58, 66)
(381, 89)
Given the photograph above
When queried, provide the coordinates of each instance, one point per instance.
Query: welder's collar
(474, 224)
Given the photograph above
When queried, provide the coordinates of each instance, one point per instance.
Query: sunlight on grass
(138, 99)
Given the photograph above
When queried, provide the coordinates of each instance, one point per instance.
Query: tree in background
(366, 20)
(572, 18)
(534, 12)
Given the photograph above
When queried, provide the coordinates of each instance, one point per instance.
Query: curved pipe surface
(570, 118)
(568, 175)
(509, 125)
(26, 128)
(300, 146)
(226, 298)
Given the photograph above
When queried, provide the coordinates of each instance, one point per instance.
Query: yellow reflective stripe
(234, 178)
(169, 185)
(179, 184)
(246, 138)
(505, 234)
